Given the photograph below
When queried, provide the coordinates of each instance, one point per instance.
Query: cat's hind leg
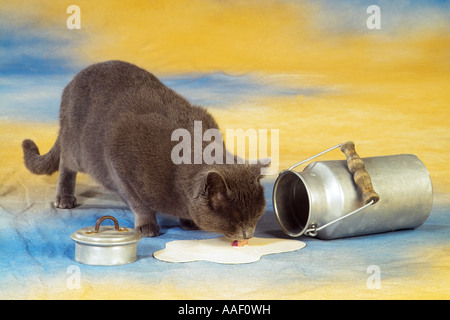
(65, 198)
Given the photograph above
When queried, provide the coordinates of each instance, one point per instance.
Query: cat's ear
(216, 190)
(260, 168)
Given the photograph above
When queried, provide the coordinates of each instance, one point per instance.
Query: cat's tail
(37, 164)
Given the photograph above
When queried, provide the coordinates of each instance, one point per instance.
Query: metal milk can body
(325, 192)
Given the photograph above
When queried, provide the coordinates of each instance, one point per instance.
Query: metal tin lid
(106, 235)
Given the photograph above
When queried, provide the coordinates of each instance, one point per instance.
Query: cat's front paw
(65, 202)
(148, 230)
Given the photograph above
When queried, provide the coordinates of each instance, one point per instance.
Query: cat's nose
(248, 233)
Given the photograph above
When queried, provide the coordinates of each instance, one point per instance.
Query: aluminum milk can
(336, 199)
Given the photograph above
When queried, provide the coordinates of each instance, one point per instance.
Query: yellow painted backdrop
(385, 89)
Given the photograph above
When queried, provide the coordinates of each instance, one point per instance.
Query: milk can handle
(356, 166)
(360, 175)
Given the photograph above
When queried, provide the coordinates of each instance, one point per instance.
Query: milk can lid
(106, 235)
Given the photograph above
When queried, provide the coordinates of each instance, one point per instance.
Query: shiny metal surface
(105, 255)
(325, 191)
(106, 236)
(106, 245)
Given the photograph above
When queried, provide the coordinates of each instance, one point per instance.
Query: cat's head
(229, 199)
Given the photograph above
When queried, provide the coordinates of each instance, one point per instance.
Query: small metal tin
(106, 245)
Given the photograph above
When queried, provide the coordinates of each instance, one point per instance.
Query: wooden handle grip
(360, 175)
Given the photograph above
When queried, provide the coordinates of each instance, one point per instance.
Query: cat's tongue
(239, 244)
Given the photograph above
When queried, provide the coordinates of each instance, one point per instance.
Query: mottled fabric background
(311, 69)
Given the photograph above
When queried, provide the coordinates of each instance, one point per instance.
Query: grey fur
(116, 122)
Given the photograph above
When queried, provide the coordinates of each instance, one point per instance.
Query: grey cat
(116, 121)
